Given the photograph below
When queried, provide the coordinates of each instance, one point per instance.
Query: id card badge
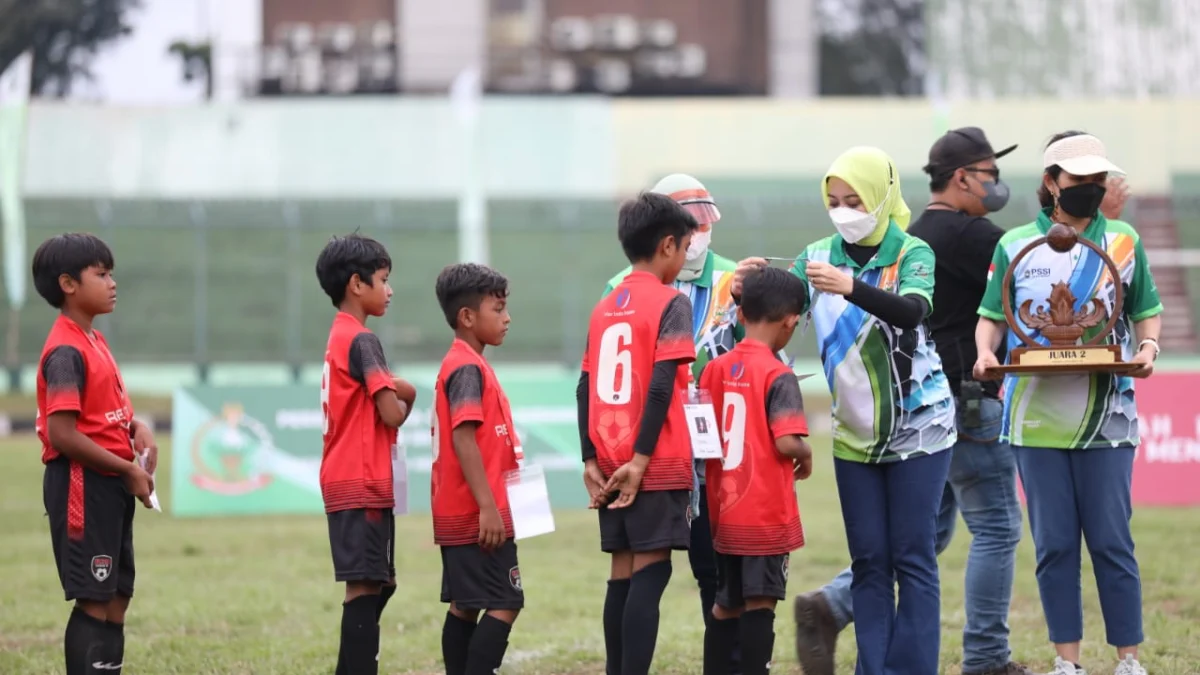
(529, 502)
(400, 478)
(702, 424)
(142, 459)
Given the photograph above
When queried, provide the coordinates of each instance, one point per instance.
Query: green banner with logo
(257, 450)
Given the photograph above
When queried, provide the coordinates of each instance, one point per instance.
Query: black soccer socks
(85, 645)
(639, 632)
(385, 593)
(114, 646)
(359, 651)
(720, 635)
(758, 641)
(456, 641)
(488, 645)
(614, 621)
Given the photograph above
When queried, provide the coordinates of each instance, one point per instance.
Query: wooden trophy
(1060, 323)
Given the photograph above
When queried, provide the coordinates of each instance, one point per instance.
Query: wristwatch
(1150, 341)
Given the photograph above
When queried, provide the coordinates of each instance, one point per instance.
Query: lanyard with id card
(701, 423)
(528, 496)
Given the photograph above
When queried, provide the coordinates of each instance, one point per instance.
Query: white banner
(14, 103)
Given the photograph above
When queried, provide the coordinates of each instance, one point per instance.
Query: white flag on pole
(15, 83)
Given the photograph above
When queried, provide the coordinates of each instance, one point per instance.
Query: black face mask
(1082, 201)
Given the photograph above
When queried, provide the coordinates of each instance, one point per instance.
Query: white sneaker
(1129, 666)
(1064, 667)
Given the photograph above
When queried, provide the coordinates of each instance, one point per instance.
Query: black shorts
(474, 579)
(751, 576)
(91, 531)
(362, 542)
(655, 520)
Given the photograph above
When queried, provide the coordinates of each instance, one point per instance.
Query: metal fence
(210, 282)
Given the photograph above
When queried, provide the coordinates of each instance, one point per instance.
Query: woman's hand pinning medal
(828, 279)
(744, 267)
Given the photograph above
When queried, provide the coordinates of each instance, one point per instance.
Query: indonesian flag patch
(991, 268)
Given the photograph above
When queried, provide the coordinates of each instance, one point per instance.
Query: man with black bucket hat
(965, 185)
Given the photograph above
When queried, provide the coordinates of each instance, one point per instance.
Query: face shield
(705, 213)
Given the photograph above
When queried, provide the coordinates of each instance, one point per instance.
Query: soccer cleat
(1129, 666)
(1010, 668)
(1064, 667)
(816, 634)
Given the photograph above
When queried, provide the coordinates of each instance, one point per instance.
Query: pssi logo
(1037, 272)
(737, 370)
(623, 298)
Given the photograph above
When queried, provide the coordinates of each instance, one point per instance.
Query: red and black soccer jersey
(77, 373)
(356, 465)
(468, 391)
(751, 493)
(640, 323)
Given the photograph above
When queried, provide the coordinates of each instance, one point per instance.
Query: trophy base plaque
(1072, 360)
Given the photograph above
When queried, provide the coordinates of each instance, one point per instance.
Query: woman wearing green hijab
(870, 288)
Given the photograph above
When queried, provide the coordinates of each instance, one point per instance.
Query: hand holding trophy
(1060, 323)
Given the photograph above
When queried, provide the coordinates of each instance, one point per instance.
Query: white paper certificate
(529, 502)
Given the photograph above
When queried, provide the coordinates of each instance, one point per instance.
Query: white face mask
(699, 244)
(853, 225)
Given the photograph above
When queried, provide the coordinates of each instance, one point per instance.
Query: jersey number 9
(612, 386)
(733, 422)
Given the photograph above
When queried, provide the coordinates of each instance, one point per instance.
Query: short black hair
(343, 257)
(466, 285)
(643, 222)
(70, 253)
(772, 294)
(940, 183)
(1044, 197)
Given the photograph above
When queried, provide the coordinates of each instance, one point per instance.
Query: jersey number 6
(614, 354)
(733, 421)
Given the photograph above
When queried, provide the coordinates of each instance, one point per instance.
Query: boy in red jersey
(636, 451)
(751, 492)
(362, 405)
(474, 447)
(89, 438)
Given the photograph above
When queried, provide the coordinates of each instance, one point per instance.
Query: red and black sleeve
(583, 396)
(464, 392)
(675, 332)
(66, 376)
(785, 407)
(675, 347)
(368, 365)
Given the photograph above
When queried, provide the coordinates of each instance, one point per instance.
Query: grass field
(256, 595)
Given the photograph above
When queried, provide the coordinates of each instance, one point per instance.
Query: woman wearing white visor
(1075, 436)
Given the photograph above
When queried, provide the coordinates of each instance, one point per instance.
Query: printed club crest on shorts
(514, 578)
(102, 567)
(783, 567)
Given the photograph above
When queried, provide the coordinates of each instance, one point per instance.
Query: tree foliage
(196, 59)
(64, 36)
(872, 47)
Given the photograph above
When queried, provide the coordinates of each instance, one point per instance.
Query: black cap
(959, 148)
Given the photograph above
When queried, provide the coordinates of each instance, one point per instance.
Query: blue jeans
(890, 513)
(1083, 492)
(982, 485)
